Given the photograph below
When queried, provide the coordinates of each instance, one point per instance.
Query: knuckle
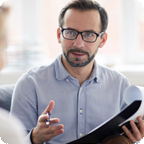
(133, 139)
(40, 117)
(40, 126)
(138, 138)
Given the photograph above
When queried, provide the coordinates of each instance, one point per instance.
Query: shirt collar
(62, 73)
(95, 73)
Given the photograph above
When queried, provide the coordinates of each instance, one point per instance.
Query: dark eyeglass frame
(97, 35)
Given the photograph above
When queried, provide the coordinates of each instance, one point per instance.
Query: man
(76, 90)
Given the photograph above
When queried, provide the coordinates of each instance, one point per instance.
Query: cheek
(66, 44)
(90, 48)
(95, 47)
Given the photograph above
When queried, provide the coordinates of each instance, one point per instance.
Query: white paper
(131, 94)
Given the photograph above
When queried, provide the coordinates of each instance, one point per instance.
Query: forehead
(82, 20)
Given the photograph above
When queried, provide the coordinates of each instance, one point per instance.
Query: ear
(59, 35)
(104, 39)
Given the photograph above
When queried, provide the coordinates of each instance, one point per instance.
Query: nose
(78, 42)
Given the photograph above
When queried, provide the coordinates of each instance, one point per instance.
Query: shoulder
(44, 70)
(39, 70)
(35, 76)
(105, 72)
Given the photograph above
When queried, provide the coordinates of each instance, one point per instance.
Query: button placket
(80, 113)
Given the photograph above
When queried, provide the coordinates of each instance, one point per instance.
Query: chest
(91, 103)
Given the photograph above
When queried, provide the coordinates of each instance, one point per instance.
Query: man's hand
(137, 131)
(42, 132)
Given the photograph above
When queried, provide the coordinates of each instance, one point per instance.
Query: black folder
(134, 95)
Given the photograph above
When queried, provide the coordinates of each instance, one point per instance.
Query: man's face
(77, 52)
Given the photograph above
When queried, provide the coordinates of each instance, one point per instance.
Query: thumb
(49, 107)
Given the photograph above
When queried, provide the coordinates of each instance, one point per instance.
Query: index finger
(49, 107)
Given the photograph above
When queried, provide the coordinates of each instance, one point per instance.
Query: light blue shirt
(79, 108)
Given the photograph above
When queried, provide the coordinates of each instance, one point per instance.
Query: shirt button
(80, 134)
(81, 111)
(80, 88)
(67, 80)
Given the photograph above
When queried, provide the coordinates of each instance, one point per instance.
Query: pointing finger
(49, 107)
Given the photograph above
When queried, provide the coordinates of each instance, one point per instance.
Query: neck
(81, 73)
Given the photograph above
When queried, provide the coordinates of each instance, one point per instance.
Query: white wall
(134, 73)
(9, 77)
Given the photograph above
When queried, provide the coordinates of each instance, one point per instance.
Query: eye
(70, 32)
(89, 34)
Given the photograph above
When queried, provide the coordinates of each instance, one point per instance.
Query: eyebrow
(81, 31)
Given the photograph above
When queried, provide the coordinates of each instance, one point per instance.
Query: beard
(77, 62)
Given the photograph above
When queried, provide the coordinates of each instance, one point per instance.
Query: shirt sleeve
(24, 103)
(124, 84)
(28, 137)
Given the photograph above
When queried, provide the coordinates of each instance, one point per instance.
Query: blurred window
(33, 25)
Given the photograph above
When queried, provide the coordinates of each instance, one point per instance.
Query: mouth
(77, 54)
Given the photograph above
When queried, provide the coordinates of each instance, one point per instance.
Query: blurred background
(32, 41)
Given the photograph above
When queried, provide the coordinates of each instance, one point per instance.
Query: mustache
(78, 50)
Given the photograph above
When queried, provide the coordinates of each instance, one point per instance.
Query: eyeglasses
(87, 36)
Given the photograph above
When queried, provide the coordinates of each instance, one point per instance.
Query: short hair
(84, 5)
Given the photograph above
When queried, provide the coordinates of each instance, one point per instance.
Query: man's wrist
(34, 138)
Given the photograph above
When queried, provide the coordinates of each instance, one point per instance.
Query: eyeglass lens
(86, 36)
